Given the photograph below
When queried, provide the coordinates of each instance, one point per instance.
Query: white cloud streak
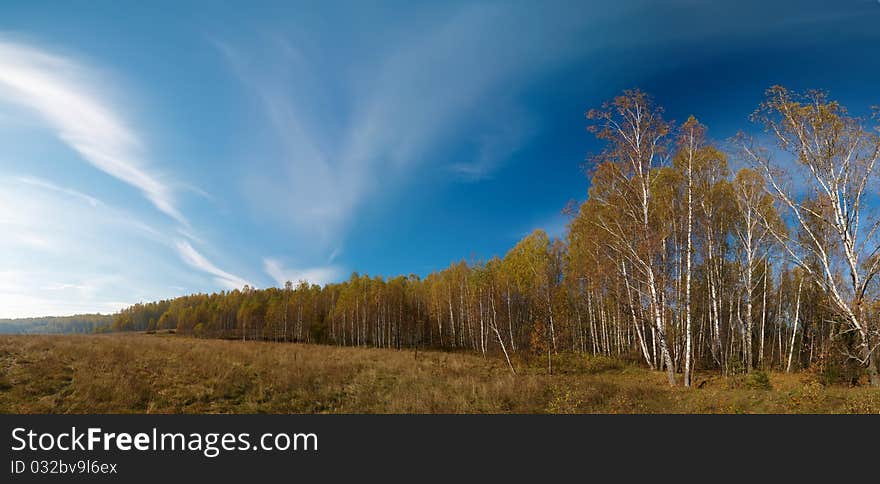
(196, 260)
(67, 96)
(63, 93)
(313, 275)
(360, 124)
(64, 251)
(41, 183)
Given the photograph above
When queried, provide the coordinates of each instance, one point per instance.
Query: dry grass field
(138, 373)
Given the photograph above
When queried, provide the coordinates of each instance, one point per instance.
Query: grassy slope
(168, 374)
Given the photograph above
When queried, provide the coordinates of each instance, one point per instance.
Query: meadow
(153, 373)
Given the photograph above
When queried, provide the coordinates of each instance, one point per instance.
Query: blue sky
(153, 149)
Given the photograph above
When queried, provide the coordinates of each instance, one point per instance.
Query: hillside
(79, 323)
(124, 373)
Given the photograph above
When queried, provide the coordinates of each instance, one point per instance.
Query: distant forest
(80, 323)
(675, 260)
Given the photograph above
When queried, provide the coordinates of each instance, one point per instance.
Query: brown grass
(171, 374)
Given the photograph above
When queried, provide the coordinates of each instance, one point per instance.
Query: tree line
(79, 323)
(675, 259)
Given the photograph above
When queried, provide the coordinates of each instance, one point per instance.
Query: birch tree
(756, 216)
(691, 143)
(636, 137)
(833, 156)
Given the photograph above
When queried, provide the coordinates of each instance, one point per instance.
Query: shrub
(834, 367)
(756, 380)
(599, 364)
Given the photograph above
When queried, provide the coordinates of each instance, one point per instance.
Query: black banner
(408, 448)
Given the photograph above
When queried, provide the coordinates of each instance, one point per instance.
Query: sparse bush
(756, 380)
(600, 364)
(834, 367)
(759, 380)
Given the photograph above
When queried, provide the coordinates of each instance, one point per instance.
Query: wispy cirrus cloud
(64, 93)
(67, 96)
(42, 183)
(312, 275)
(65, 251)
(32, 293)
(363, 122)
(196, 260)
(43, 214)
